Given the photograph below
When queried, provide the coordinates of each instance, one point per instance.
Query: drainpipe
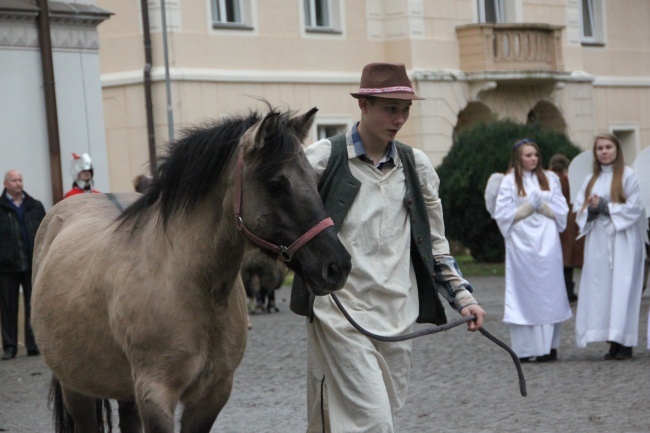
(49, 89)
(170, 113)
(147, 86)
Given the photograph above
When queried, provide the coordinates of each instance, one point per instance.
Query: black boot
(547, 358)
(570, 293)
(624, 352)
(613, 351)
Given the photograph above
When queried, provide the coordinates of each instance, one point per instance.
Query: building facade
(577, 66)
(24, 120)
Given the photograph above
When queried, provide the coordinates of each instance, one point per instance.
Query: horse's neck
(206, 241)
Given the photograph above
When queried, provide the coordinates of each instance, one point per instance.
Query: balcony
(489, 47)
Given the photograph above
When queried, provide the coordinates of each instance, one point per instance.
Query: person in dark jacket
(572, 247)
(20, 216)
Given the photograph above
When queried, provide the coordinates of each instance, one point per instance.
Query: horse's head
(279, 201)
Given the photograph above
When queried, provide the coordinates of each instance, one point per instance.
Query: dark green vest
(338, 189)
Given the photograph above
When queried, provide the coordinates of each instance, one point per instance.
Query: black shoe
(548, 358)
(624, 352)
(526, 359)
(34, 352)
(613, 351)
(8, 354)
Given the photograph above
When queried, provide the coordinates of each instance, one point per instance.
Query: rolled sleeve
(451, 284)
(449, 280)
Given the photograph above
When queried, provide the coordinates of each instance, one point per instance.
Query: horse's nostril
(333, 272)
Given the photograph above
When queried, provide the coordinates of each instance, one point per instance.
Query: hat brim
(397, 95)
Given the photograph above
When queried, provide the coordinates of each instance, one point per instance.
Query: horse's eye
(276, 186)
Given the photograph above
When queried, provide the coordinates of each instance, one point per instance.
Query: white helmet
(79, 164)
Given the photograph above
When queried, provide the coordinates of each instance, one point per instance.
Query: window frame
(341, 123)
(596, 22)
(499, 12)
(243, 18)
(321, 129)
(333, 16)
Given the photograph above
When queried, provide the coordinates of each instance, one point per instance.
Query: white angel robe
(612, 274)
(535, 302)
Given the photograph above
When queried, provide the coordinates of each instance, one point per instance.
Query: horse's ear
(266, 128)
(301, 124)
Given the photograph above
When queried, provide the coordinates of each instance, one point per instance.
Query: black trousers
(10, 283)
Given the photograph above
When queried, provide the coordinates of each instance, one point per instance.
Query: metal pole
(49, 89)
(170, 113)
(147, 86)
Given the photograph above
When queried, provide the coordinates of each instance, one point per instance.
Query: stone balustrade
(510, 47)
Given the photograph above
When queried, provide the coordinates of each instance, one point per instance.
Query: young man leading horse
(383, 198)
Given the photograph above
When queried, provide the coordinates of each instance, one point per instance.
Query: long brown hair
(515, 164)
(616, 193)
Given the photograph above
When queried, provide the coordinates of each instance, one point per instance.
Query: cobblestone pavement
(460, 381)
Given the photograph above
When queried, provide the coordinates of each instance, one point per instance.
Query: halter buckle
(285, 254)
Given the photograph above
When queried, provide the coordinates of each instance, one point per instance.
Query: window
(226, 11)
(322, 16)
(317, 13)
(591, 23)
(231, 13)
(491, 11)
(587, 20)
(325, 131)
(628, 137)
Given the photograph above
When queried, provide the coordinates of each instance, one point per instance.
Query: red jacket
(76, 190)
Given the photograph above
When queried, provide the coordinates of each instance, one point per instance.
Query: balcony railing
(510, 47)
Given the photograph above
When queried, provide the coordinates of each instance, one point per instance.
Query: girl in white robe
(610, 213)
(530, 214)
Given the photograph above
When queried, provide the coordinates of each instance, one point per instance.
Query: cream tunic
(380, 293)
(612, 274)
(535, 300)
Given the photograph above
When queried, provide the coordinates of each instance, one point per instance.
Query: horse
(146, 306)
(262, 276)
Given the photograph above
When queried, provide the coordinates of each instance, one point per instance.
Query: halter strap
(284, 253)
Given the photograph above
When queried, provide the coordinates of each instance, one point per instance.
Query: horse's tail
(63, 422)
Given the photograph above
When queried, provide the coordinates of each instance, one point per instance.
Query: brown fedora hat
(385, 80)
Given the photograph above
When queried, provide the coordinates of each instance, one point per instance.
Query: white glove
(546, 195)
(535, 199)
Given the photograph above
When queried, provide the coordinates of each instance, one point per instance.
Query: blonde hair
(616, 193)
(515, 164)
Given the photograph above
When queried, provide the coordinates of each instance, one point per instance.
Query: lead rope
(435, 330)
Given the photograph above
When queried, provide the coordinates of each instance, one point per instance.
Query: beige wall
(217, 71)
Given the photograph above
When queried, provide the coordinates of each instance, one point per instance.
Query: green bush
(478, 152)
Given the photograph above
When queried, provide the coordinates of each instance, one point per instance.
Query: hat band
(375, 91)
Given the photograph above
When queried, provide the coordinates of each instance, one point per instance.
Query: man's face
(14, 183)
(383, 119)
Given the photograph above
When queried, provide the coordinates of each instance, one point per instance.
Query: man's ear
(363, 104)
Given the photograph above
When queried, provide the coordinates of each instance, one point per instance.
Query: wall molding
(605, 81)
(231, 76)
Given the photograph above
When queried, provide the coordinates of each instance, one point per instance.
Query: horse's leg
(200, 415)
(129, 417)
(83, 410)
(272, 308)
(156, 404)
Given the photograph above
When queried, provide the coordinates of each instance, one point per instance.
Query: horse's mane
(195, 162)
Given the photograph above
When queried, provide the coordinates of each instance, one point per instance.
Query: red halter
(284, 253)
